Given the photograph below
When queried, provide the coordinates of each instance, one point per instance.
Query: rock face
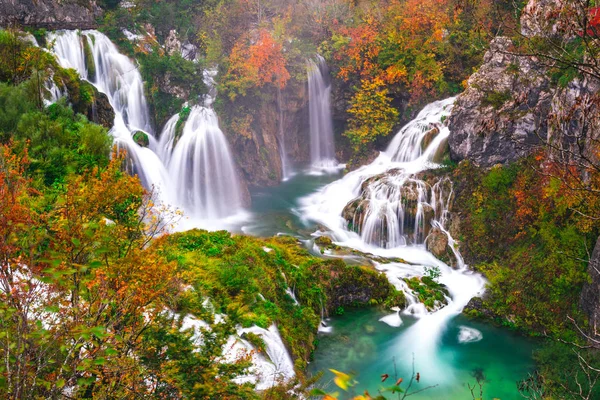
(590, 295)
(257, 147)
(97, 109)
(505, 107)
(539, 17)
(50, 14)
(437, 242)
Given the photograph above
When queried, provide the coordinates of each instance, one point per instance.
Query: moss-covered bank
(249, 280)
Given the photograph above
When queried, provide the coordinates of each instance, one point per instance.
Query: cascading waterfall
(322, 146)
(194, 172)
(201, 167)
(119, 79)
(387, 208)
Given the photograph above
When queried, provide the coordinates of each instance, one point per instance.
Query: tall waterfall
(195, 173)
(285, 164)
(322, 146)
(388, 208)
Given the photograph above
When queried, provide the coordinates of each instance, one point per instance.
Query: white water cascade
(201, 166)
(194, 172)
(398, 211)
(322, 146)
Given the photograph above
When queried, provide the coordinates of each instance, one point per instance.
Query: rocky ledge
(50, 14)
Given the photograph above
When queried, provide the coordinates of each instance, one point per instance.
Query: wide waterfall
(322, 146)
(388, 208)
(194, 172)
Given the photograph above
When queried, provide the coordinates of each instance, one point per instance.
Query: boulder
(141, 138)
(437, 243)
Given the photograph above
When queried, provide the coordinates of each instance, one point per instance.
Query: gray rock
(498, 118)
(172, 44)
(50, 14)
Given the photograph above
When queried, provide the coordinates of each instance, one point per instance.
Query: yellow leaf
(341, 379)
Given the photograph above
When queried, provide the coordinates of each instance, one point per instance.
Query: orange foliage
(256, 64)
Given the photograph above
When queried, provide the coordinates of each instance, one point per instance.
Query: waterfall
(201, 166)
(195, 172)
(322, 146)
(388, 208)
(285, 164)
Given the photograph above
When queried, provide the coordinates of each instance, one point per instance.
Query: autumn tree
(75, 309)
(255, 63)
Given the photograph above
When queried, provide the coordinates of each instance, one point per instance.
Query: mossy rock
(141, 138)
(428, 291)
(256, 341)
(88, 57)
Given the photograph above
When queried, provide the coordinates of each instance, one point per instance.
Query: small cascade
(68, 48)
(322, 146)
(195, 171)
(388, 209)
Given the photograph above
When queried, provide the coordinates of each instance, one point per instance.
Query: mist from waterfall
(400, 209)
(194, 172)
(322, 145)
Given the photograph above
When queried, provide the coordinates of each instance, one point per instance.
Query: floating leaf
(341, 379)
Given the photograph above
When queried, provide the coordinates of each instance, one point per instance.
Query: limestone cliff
(261, 131)
(50, 14)
(503, 110)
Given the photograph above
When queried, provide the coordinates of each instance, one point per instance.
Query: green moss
(141, 138)
(256, 341)
(88, 56)
(496, 99)
(428, 291)
(183, 116)
(249, 284)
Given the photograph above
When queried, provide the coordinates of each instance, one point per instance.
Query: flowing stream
(388, 208)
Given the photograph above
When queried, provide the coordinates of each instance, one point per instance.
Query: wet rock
(428, 138)
(141, 138)
(476, 308)
(393, 199)
(437, 243)
(95, 106)
(50, 14)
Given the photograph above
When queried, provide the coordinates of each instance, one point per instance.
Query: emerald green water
(363, 345)
(366, 347)
(274, 208)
